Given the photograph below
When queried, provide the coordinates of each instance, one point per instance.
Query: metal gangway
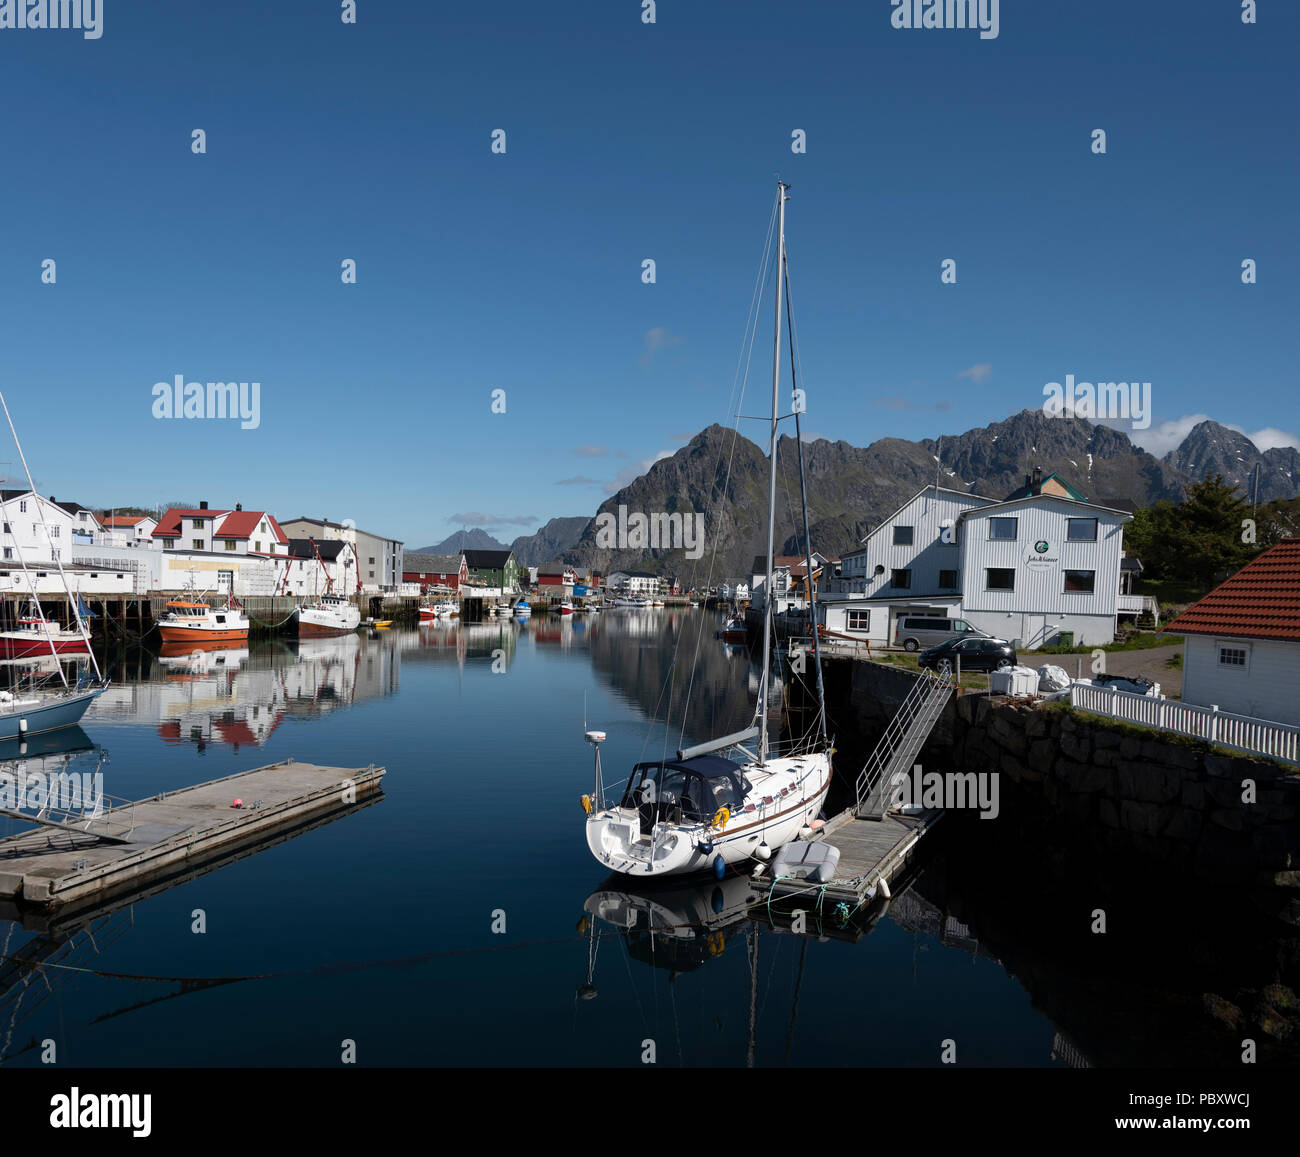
(65, 804)
(902, 742)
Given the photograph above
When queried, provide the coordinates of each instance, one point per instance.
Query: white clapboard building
(1038, 563)
(1243, 640)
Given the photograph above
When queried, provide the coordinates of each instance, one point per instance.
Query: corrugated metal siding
(927, 555)
(1042, 591)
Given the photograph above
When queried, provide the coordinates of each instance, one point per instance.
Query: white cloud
(1159, 440)
(980, 372)
(1271, 437)
(655, 340)
(631, 473)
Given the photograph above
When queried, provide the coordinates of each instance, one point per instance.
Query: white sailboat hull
(796, 787)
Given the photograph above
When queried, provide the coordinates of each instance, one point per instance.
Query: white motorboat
(701, 810)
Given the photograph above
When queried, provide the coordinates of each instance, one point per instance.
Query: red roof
(1261, 601)
(124, 520)
(239, 524)
(243, 524)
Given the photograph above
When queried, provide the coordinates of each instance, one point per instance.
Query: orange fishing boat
(190, 622)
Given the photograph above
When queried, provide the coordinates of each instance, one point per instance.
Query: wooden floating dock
(872, 853)
(132, 846)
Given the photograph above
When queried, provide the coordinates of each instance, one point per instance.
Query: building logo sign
(1039, 556)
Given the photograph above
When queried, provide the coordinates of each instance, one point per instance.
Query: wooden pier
(873, 853)
(132, 846)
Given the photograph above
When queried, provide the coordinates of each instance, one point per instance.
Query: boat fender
(586, 804)
(763, 852)
(721, 816)
(719, 901)
(719, 867)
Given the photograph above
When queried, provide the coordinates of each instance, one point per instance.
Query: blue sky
(624, 141)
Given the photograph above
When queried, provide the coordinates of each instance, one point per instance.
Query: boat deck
(872, 852)
(135, 844)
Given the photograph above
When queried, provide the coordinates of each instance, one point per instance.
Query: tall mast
(781, 187)
(76, 611)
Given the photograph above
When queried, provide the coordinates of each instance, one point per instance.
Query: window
(7, 530)
(1233, 657)
(1003, 529)
(1000, 578)
(902, 536)
(9, 552)
(169, 544)
(901, 580)
(1081, 529)
(257, 546)
(22, 507)
(230, 544)
(54, 531)
(1080, 581)
(859, 620)
(948, 579)
(82, 516)
(196, 524)
(371, 561)
(196, 543)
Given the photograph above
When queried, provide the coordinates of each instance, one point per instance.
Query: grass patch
(1146, 641)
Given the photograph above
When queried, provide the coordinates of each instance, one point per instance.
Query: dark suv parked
(976, 655)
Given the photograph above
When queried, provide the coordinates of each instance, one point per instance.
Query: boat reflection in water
(240, 695)
(674, 925)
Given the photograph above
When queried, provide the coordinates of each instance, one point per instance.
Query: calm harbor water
(378, 927)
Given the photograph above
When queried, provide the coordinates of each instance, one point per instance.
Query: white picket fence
(1240, 732)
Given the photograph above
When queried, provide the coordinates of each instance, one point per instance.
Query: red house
(435, 570)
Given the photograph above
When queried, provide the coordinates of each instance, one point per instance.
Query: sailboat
(45, 707)
(703, 810)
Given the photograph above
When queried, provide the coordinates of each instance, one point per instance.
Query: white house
(237, 531)
(909, 564)
(1243, 640)
(135, 530)
(939, 552)
(317, 568)
(1037, 566)
(34, 529)
(636, 582)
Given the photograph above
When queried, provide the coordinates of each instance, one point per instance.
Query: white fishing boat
(700, 810)
(329, 615)
(40, 704)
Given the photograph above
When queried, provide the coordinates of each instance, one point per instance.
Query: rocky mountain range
(1210, 448)
(851, 489)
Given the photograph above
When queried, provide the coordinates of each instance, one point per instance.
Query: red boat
(36, 637)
